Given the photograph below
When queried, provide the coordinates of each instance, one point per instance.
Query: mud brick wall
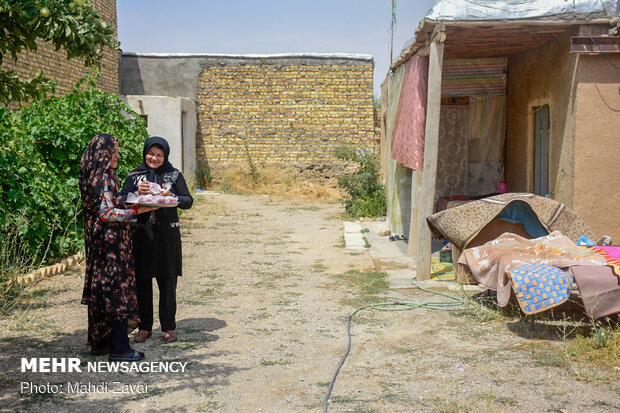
(283, 112)
(66, 73)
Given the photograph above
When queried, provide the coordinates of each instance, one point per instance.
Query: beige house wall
(583, 94)
(542, 76)
(597, 143)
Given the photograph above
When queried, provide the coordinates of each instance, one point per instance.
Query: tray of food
(152, 200)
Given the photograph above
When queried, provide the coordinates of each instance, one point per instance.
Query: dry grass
(598, 347)
(591, 352)
(280, 181)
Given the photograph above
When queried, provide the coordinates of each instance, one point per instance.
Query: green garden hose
(393, 306)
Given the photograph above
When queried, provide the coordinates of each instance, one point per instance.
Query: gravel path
(262, 311)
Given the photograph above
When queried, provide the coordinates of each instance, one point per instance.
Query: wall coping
(347, 56)
(158, 97)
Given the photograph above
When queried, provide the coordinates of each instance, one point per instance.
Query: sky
(270, 27)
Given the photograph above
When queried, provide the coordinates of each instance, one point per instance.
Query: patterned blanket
(539, 287)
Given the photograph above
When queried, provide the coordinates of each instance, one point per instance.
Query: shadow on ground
(199, 374)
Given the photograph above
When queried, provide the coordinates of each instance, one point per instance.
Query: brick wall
(283, 113)
(66, 73)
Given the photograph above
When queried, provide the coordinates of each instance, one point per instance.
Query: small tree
(71, 25)
(364, 192)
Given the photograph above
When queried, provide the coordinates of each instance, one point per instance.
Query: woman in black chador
(109, 284)
(157, 238)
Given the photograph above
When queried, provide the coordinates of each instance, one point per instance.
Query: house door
(541, 151)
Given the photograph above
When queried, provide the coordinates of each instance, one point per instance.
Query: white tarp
(518, 9)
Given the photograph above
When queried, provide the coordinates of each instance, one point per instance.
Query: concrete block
(351, 238)
(352, 227)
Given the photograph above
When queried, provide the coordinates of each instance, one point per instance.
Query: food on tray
(149, 199)
(156, 189)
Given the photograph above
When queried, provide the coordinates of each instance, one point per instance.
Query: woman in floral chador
(109, 285)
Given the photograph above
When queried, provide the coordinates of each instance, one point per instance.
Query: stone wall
(283, 113)
(66, 73)
(277, 109)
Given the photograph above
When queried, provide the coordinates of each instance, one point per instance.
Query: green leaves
(40, 151)
(365, 194)
(13, 89)
(81, 34)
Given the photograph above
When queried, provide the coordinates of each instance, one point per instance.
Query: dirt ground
(262, 315)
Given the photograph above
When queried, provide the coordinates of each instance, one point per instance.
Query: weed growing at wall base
(203, 175)
(254, 175)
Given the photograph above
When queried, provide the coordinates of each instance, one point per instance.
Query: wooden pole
(431, 149)
(416, 193)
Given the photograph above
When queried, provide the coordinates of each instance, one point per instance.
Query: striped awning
(471, 77)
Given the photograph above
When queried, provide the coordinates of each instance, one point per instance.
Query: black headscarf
(165, 167)
(95, 161)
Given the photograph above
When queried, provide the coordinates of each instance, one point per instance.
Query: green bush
(40, 151)
(365, 194)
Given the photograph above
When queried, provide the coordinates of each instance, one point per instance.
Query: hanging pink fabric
(408, 135)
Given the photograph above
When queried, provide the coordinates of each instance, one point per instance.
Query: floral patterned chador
(109, 285)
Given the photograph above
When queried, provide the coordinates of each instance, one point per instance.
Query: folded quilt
(539, 287)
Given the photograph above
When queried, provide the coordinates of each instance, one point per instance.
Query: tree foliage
(71, 25)
(40, 151)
